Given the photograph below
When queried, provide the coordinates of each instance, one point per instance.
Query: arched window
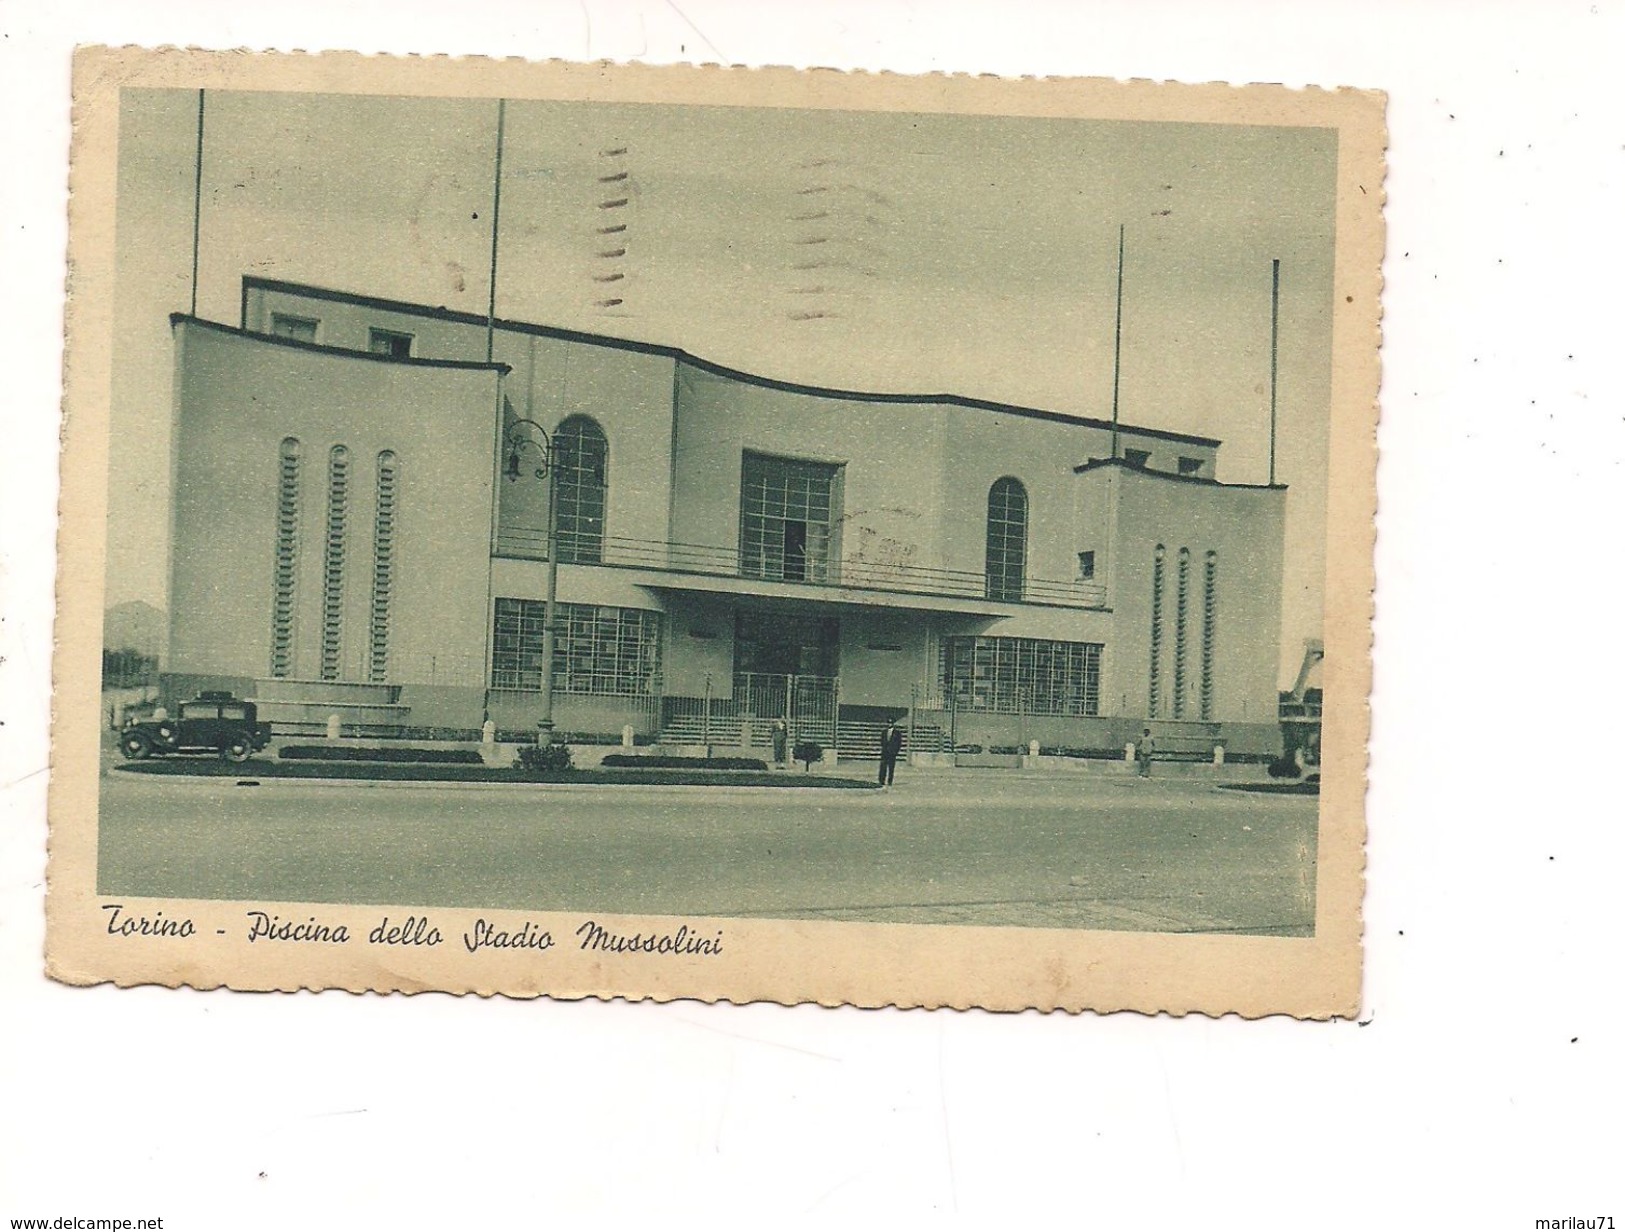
(581, 469)
(1006, 540)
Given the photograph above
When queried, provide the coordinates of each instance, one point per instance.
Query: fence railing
(742, 711)
(530, 543)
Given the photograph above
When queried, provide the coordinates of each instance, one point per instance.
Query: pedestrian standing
(891, 744)
(1143, 752)
(781, 742)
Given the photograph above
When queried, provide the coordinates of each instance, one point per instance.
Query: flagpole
(496, 215)
(1275, 336)
(1117, 345)
(197, 199)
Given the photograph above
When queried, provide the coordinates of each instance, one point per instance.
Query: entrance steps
(689, 729)
(860, 740)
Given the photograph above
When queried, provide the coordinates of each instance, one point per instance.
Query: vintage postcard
(585, 530)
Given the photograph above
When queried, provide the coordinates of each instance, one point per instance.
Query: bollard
(333, 727)
(1218, 755)
(488, 732)
(626, 736)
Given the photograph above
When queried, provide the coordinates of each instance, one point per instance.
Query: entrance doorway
(787, 666)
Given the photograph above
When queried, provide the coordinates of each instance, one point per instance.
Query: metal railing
(745, 713)
(530, 543)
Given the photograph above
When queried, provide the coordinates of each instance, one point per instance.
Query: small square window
(1137, 457)
(300, 329)
(1086, 566)
(389, 342)
(1190, 466)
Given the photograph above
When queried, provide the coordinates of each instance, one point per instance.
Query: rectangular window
(606, 651)
(388, 342)
(1137, 457)
(300, 329)
(1086, 566)
(787, 513)
(1022, 675)
(1190, 466)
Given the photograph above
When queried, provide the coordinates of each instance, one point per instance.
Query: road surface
(942, 847)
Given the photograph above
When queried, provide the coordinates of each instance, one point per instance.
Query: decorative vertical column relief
(1210, 615)
(338, 503)
(1181, 629)
(286, 568)
(383, 566)
(1155, 705)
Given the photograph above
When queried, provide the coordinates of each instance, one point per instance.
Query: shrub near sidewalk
(540, 759)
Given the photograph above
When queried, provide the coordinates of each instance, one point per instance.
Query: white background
(1484, 1088)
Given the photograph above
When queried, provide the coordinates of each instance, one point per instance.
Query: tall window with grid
(1006, 540)
(787, 518)
(581, 469)
(286, 570)
(338, 505)
(1022, 675)
(383, 566)
(604, 651)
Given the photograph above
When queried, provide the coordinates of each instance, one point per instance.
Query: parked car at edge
(210, 723)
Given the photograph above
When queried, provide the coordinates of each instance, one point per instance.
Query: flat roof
(1095, 464)
(254, 281)
(317, 348)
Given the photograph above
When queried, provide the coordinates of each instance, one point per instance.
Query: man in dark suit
(891, 744)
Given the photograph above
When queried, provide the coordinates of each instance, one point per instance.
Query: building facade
(360, 529)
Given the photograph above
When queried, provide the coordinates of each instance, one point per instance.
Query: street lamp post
(547, 470)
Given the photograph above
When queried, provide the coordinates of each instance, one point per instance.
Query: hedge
(630, 761)
(345, 752)
(252, 772)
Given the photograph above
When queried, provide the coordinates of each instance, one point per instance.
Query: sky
(887, 252)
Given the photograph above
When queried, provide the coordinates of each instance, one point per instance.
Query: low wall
(448, 706)
(1102, 733)
(1054, 731)
(177, 687)
(573, 712)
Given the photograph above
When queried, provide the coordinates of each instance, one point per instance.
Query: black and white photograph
(619, 522)
(677, 613)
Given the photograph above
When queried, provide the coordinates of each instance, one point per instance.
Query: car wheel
(135, 746)
(237, 750)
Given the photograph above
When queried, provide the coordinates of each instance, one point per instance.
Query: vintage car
(210, 723)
